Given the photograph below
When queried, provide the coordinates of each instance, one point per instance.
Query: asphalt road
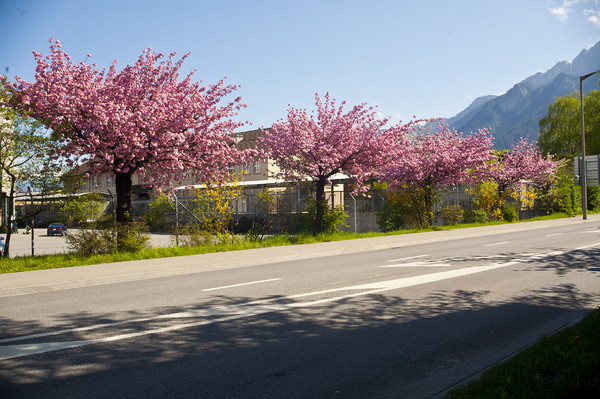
(393, 317)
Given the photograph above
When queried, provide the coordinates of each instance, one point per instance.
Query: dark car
(57, 228)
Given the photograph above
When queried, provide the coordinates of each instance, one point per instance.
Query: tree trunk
(3, 209)
(10, 216)
(123, 183)
(320, 206)
(429, 193)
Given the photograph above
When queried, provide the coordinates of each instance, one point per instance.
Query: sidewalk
(82, 276)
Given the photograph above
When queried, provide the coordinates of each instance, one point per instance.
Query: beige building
(254, 177)
(252, 173)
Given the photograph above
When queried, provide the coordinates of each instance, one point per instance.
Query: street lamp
(583, 179)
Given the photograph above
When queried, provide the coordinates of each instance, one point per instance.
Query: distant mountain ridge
(517, 112)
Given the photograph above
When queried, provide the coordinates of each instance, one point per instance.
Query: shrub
(485, 197)
(100, 241)
(593, 198)
(406, 208)
(90, 242)
(561, 195)
(162, 213)
(453, 214)
(509, 214)
(391, 216)
(194, 236)
(333, 218)
(477, 216)
(215, 203)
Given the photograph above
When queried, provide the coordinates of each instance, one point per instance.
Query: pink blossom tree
(523, 162)
(314, 147)
(139, 119)
(436, 159)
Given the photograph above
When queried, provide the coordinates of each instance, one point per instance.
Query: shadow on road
(372, 346)
(585, 260)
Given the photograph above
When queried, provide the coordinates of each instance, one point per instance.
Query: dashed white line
(419, 264)
(241, 284)
(407, 258)
(554, 234)
(497, 243)
(256, 308)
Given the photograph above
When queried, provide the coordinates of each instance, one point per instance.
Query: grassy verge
(28, 263)
(564, 365)
(20, 264)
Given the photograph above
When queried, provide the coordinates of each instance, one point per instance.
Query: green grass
(564, 365)
(552, 216)
(28, 263)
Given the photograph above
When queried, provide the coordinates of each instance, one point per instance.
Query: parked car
(57, 228)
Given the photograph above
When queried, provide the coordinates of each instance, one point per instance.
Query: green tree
(560, 129)
(83, 208)
(162, 214)
(24, 148)
(561, 195)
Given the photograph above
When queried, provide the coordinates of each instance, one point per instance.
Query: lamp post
(583, 179)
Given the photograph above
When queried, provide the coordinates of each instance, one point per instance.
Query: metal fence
(264, 211)
(275, 213)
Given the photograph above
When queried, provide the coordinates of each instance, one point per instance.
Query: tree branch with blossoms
(139, 119)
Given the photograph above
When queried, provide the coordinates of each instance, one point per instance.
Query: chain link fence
(262, 212)
(256, 211)
(33, 214)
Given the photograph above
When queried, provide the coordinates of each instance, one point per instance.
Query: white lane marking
(498, 256)
(419, 264)
(257, 308)
(407, 258)
(555, 234)
(241, 284)
(497, 243)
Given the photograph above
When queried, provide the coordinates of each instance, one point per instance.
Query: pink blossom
(439, 158)
(523, 162)
(142, 118)
(319, 145)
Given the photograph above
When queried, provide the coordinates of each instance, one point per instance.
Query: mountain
(516, 113)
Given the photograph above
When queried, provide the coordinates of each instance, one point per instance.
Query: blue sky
(428, 58)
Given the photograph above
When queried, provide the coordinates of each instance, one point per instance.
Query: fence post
(332, 196)
(278, 215)
(112, 205)
(354, 210)
(32, 223)
(176, 220)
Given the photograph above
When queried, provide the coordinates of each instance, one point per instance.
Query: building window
(232, 170)
(257, 167)
(94, 181)
(247, 167)
(109, 180)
